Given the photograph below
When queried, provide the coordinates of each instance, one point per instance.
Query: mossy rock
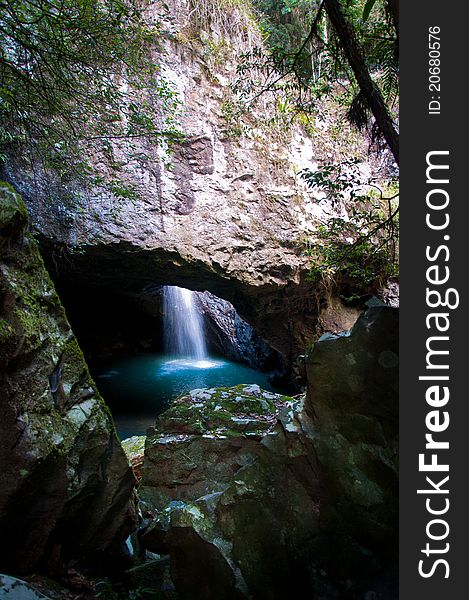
(13, 212)
(223, 411)
(251, 531)
(205, 437)
(63, 465)
(134, 446)
(353, 400)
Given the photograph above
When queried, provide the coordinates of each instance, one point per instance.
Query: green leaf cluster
(286, 25)
(75, 74)
(305, 59)
(356, 249)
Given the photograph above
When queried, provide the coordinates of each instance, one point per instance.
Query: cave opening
(128, 336)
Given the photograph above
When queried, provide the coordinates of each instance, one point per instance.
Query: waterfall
(183, 325)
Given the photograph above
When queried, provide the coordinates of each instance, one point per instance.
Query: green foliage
(77, 73)
(357, 250)
(286, 25)
(6, 331)
(231, 113)
(230, 19)
(337, 180)
(305, 59)
(368, 8)
(345, 256)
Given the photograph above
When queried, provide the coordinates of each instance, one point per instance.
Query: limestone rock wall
(65, 484)
(223, 210)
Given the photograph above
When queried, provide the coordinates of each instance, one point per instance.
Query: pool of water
(139, 388)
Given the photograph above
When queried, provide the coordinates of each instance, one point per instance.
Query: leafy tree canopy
(74, 73)
(320, 48)
(316, 45)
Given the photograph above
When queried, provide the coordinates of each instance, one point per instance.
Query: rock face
(204, 438)
(353, 401)
(258, 496)
(134, 448)
(65, 483)
(230, 336)
(225, 212)
(16, 588)
(226, 482)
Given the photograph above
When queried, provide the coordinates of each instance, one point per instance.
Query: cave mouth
(129, 338)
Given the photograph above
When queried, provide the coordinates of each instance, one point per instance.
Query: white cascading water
(183, 324)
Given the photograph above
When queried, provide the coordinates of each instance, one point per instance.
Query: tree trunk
(367, 86)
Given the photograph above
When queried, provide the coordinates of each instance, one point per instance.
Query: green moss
(75, 368)
(224, 411)
(13, 212)
(72, 356)
(6, 331)
(35, 317)
(76, 371)
(134, 446)
(36, 311)
(53, 435)
(32, 326)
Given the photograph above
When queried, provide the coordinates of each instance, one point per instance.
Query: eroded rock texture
(230, 336)
(204, 438)
(256, 495)
(224, 472)
(225, 212)
(353, 401)
(65, 483)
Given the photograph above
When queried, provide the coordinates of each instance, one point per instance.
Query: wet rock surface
(228, 334)
(65, 485)
(353, 401)
(17, 589)
(256, 495)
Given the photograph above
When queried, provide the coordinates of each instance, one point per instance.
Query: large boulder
(234, 493)
(259, 496)
(65, 483)
(353, 401)
(204, 438)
